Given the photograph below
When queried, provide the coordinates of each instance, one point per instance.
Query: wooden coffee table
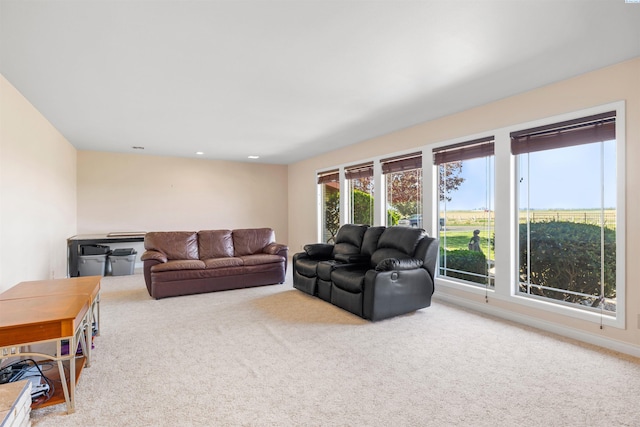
(88, 286)
(53, 311)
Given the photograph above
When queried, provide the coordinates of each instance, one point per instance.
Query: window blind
(364, 170)
(402, 163)
(586, 130)
(481, 147)
(328, 176)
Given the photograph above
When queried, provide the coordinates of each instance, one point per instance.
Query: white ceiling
(287, 80)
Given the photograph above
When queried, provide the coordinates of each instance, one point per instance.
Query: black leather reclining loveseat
(373, 272)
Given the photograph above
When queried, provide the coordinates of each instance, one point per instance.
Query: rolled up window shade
(328, 176)
(481, 147)
(586, 130)
(364, 170)
(402, 163)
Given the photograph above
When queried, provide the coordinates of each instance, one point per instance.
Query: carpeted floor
(273, 356)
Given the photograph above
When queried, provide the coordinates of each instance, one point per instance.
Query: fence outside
(583, 217)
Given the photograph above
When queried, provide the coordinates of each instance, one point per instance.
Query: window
(403, 184)
(360, 182)
(466, 210)
(557, 187)
(329, 186)
(567, 212)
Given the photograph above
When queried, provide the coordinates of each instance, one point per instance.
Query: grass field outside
(583, 216)
(460, 240)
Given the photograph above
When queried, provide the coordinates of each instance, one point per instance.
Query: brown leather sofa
(189, 262)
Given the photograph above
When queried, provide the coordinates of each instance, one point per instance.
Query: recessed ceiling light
(199, 153)
(254, 157)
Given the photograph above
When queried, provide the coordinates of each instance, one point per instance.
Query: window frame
(466, 149)
(396, 164)
(357, 171)
(378, 176)
(583, 132)
(322, 178)
(506, 223)
(506, 218)
(617, 320)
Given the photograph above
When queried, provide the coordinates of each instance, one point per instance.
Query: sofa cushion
(349, 239)
(370, 240)
(259, 259)
(348, 279)
(404, 239)
(181, 278)
(215, 243)
(223, 262)
(251, 240)
(397, 242)
(387, 253)
(307, 267)
(174, 244)
(187, 264)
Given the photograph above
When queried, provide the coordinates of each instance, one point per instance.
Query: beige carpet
(273, 356)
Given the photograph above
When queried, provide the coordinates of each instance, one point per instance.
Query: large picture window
(403, 184)
(530, 214)
(567, 212)
(466, 211)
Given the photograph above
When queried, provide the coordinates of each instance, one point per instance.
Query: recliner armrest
(153, 255)
(319, 251)
(389, 264)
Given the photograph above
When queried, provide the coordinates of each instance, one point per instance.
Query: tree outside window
(403, 183)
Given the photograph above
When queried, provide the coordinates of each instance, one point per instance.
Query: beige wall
(620, 82)
(37, 192)
(49, 191)
(132, 192)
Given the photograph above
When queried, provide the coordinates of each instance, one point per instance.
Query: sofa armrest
(390, 264)
(299, 255)
(276, 249)
(319, 251)
(428, 251)
(391, 293)
(150, 258)
(153, 255)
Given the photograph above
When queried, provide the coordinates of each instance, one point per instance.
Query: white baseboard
(555, 328)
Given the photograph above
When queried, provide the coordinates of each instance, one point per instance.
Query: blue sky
(567, 178)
